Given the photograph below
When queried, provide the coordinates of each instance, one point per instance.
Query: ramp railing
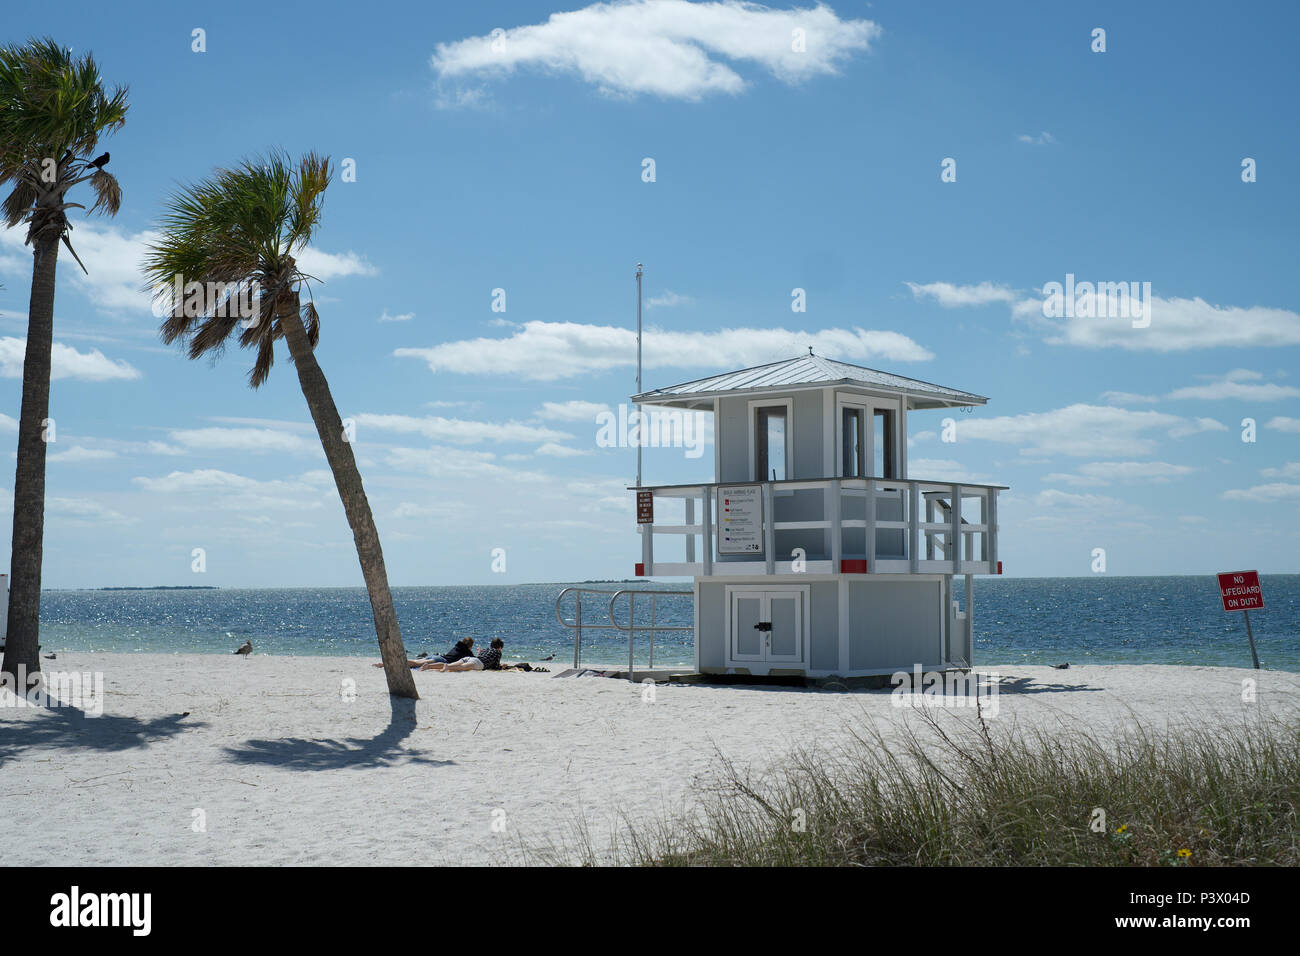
(610, 620)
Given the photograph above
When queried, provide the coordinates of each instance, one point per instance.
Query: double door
(765, 626)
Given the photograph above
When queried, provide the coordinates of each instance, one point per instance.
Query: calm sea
(1102, 620)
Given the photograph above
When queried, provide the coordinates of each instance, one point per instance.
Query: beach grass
(951, 793)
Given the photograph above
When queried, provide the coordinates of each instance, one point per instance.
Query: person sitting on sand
(464, 648)
(487, 660)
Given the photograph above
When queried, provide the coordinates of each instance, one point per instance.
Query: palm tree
(238, 231)
(53, 109)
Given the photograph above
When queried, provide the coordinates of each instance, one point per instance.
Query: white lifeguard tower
(812, 551)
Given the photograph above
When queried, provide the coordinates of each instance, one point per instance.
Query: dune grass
(949, 792)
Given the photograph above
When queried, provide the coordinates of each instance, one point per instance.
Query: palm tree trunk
(22, 640)
(348, 480)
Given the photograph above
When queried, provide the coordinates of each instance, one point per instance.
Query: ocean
(1094, 620)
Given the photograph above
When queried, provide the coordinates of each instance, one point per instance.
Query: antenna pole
(640, 423)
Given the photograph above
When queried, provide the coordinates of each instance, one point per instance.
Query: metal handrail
(631, 627)
(578, 626)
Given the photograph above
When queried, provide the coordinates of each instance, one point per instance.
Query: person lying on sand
(464, 648)
(489, 660)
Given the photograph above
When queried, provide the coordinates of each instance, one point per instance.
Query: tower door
(748, 638)
(785, 615)
(765, 626)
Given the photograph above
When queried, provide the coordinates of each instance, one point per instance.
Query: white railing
(855, 525)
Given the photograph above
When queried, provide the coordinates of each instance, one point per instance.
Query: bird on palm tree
(53, 109)
(241, 229)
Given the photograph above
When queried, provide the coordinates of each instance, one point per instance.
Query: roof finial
(810, 350)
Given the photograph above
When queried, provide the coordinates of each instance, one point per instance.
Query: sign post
(1240, 591)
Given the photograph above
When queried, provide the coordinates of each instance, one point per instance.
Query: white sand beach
(282, 765)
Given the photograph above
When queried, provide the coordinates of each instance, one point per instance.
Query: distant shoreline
(666, 580)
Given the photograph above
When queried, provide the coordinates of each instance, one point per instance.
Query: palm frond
(52, 102)
(261, 369)
(241, 224)
(18, 203)
(311, 322)
(211, 335)
(108, 192)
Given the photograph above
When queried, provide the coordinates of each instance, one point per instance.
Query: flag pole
(640, 425)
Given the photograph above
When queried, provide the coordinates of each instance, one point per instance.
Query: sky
(921, 171)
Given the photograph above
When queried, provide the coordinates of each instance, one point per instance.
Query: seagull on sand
(245, 649)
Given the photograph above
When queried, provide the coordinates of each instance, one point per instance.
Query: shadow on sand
(384, 750)
(1027, 685)
(66, 729)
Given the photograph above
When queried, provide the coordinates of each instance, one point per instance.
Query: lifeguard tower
(812, 551)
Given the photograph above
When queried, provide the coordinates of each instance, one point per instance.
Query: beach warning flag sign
(1240, 591)
(645, 507)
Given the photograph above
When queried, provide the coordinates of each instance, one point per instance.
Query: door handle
(763, 626)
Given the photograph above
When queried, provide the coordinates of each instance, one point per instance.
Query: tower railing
(835, 526)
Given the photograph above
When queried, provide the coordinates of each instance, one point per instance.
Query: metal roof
(806, 371)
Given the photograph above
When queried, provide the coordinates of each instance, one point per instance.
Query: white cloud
(1042, 139)
(1128, 398)
(667, 300)
(402, 317)
(1055, 500)
(1082, 431)
(281, 423)
(561, 451)
(669, 48)
(572, 411)
(1194, 426)
(8, 424)
(244, 439)
(332, 265)
(223, 489)
(1264, 494)
(66, 362)
(409, 509)
(1281, 423)
(441, 461)
(956, 296)
(1290, 470)
(1102, 473)
(78, 454)
(77, 509)
(942, 469)
(460, 431)
(112, 258)
(1177, 325)
(82, 508)
(546, 351)
(1239, 383)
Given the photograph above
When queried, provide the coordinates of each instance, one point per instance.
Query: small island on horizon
(163, 587)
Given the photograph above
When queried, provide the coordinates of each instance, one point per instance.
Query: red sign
(645, 507)
(1240, 591)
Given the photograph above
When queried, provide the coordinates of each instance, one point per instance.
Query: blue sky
(519, 167)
